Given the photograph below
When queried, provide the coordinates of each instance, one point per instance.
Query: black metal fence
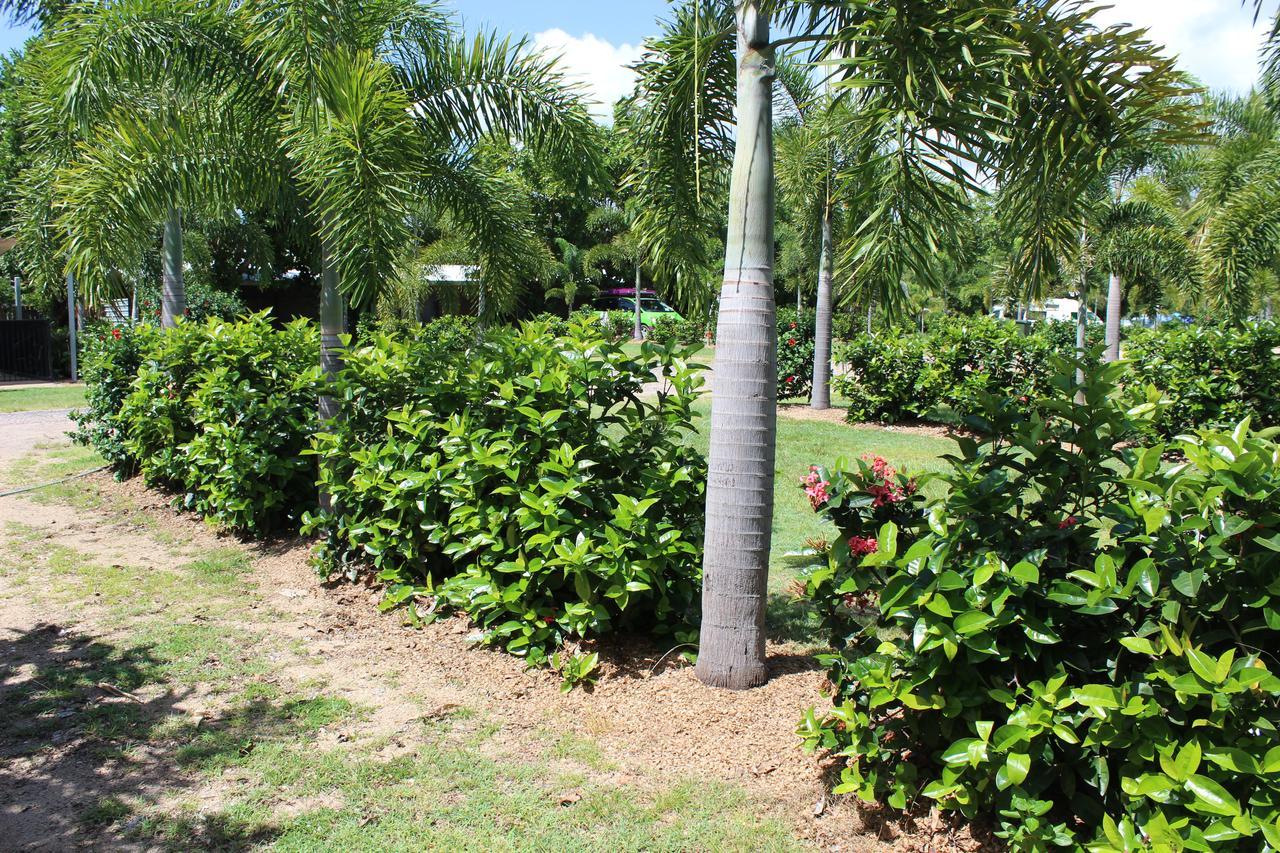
(26, 349)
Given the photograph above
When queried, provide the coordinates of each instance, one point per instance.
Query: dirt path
(22, 431)
(646, 725)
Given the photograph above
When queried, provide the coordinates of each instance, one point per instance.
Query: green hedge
(523, 479)
(1210, 375)
(947, 370)
(1074, 639)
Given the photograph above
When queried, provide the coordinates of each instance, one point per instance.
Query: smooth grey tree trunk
(1114, 294)
(735, 568)
(72, 324)
(636, 331)
(333, 325)
(173, 294)
(820, 398)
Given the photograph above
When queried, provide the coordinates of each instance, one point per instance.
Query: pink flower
(816, 488)
(862, 545)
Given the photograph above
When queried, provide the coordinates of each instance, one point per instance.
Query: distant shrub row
(1210, 375)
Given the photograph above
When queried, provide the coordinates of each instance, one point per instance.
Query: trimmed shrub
(1074, 639)
(669, 330)
(1211, 375)
(220, 412)
(109, 360)
(943, 372)
(523, 480)
(795, 353)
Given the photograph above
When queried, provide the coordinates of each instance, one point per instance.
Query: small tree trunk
(868, 319)
(636, 331)
(735, 568)
(333, 325)
(1114, 294)
(173, 295)
(821, 395)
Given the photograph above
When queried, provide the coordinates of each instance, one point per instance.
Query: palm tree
(936, 87)
(363, 113)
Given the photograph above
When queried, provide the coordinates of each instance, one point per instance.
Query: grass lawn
(38, 399)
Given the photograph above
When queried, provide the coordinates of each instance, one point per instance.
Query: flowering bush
(795, 353)
(1076, 642)
(203, 302)
(521, 479)
(859, 503)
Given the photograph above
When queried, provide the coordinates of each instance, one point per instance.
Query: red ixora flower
(1069, 521)
(862, 545)
(793, 325)
(791, 342)
(816, 488)
(115, 333)
(791, 379)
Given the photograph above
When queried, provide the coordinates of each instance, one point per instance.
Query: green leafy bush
(203, 303)
(523, 480)
(109, 360)
(795, 353)
(669, 330)
(951, 367)
(1212, 375)
(1078, 639)
(218, 411)
(618, 325)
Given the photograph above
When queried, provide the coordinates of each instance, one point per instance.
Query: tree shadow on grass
(89, 728)
(69, 710)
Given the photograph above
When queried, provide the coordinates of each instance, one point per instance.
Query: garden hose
(25, 489)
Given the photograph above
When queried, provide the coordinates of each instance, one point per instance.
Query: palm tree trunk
(735, 568)
(333, 324)
(636, 331)
(1114, 293)
(821, 395)
(173, 295)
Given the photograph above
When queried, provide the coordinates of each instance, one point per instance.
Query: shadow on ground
(91, 733)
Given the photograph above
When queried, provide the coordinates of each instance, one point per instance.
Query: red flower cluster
(791, 342)
(889, 490)
(863, 545)
(815, 487)
(115, 333)
(1069, 521)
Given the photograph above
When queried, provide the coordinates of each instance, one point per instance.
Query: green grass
(39, 399)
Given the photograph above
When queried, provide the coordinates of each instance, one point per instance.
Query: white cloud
(599, 65)
(1216, 40)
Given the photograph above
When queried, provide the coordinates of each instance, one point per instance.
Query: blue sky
(1216, 39)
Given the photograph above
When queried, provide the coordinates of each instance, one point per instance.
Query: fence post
(71, 323)
(17, 298)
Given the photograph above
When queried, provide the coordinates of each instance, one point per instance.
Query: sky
(1216, 40)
